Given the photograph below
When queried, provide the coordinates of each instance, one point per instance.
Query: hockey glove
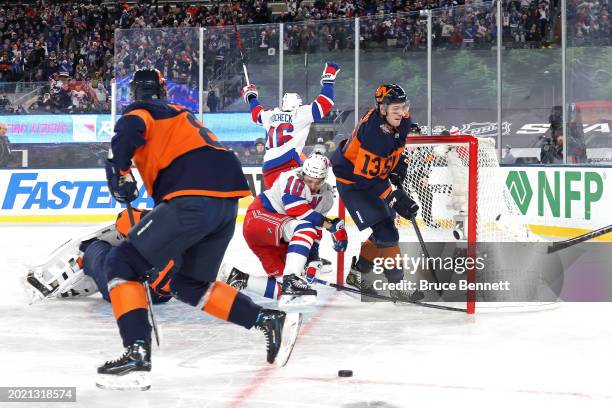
(398, 174)
(338, 233)
(248, 92)
(329, 73)
(122, 185)
(402, 204)
(312, 269)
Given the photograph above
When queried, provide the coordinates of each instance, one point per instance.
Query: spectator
(77, 39)
(212, 101)
(552, 149)
(259, 151)
(5, 151)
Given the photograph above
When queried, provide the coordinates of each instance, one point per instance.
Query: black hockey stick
(244, 68)
(387, 298)
(417, 230)
(146, 284)
(557, 246)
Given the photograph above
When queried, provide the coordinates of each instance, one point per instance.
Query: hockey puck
(345, 373)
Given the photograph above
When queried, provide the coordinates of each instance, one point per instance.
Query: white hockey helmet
(291, 101)
(316, 166)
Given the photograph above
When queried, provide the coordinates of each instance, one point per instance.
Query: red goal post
(459, 186)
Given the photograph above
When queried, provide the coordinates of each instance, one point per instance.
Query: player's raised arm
(324, 102)
(250, 94)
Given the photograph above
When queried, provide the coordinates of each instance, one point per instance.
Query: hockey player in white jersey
(287, 127)
(284, 226)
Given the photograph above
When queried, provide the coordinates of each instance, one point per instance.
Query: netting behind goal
(460, 189)
(459, 186)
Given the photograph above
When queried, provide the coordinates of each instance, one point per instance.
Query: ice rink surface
(401, 356)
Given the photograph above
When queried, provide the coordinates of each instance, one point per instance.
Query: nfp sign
(562, 194)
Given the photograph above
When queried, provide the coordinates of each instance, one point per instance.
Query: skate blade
(293, 301)
(134, 381)
(291, 329)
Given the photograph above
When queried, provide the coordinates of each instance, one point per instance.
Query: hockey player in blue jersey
(368, 174)
(195, 183)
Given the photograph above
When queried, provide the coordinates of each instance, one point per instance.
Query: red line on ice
(262, 375)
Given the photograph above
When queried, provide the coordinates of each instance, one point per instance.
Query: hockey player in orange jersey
(195, 183)
(368, 173)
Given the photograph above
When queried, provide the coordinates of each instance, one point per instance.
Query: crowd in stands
(69, 48)
(588, 22)
(76, 40)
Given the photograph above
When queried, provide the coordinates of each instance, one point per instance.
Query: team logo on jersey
(269, 230)
(386, 128)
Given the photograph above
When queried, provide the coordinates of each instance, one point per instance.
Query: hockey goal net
(461, 191)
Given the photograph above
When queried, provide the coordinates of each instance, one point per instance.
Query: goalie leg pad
(60, 276)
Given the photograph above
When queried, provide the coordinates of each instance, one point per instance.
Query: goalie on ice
(76, 268)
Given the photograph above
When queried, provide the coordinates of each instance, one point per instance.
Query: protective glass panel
(531, 83)
(225, 112)
(307, 47)
(464, 76)
(589, 83)
(173, 51)
(393, 49)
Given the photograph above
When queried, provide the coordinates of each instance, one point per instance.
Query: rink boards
(554, 201)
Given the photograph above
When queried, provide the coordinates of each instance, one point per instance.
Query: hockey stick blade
(388, 298)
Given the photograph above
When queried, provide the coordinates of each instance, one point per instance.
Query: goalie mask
(148, 84)
(291, 101)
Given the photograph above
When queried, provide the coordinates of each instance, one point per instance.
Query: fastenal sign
(73, 195)
(572, 197)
